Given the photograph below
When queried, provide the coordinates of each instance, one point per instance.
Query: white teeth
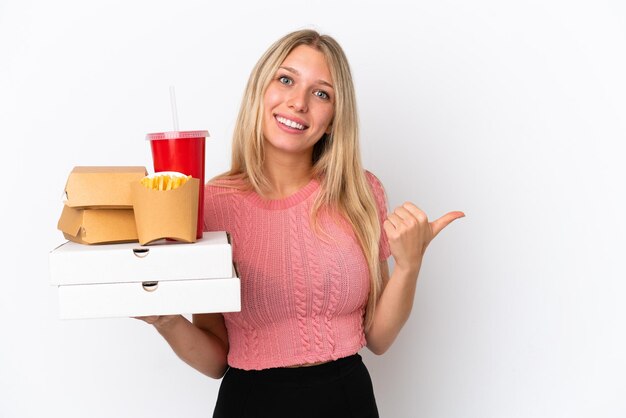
(289, 123)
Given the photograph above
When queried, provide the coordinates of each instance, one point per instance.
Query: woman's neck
(286, 175)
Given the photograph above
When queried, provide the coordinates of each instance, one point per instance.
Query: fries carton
(164, 209)
(98, 226)
(101, 186)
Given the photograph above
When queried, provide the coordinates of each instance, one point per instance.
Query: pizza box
(210, 257)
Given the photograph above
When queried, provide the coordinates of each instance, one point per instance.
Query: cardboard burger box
(98, 206)
(102, 186)
(126, 280)
(96, 226)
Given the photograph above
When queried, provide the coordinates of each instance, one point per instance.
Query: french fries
(164, 182)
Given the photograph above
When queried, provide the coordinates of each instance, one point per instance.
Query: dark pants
(341, 388)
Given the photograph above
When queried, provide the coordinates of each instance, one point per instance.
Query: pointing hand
(409, 233)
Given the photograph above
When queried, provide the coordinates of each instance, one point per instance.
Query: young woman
(311, 237)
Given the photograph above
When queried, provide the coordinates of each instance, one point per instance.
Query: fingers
(408, 214)
(398, 220)
(147, 319)
(438, 225)
(416, 212)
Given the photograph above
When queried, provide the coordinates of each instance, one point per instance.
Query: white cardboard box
(113, 281)
(209, 257)
(149, 298)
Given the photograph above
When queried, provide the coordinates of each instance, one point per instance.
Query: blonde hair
(336, 157)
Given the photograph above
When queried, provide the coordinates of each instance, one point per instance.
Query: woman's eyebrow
(296, 72)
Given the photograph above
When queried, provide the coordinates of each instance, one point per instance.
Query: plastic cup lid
(177, 135)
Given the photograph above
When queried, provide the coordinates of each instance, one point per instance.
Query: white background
(511, 111)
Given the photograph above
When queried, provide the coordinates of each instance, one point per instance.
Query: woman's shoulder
(227, 184)
(374, 181)
(378, 190)
(223, 189)
(222, 201)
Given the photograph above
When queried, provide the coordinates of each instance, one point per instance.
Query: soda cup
(182, 152)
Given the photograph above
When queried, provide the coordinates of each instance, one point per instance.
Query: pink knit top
(303, 294)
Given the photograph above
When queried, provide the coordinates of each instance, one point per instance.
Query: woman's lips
(290, 124)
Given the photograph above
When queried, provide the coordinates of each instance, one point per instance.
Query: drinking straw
(174, 111)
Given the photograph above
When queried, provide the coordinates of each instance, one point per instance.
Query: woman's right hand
(158, 321)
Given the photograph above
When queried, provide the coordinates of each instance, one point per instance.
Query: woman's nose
(298, 100)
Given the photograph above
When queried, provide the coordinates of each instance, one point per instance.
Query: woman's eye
(285, 80)
(322, 94)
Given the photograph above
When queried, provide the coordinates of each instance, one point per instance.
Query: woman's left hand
(409, 233)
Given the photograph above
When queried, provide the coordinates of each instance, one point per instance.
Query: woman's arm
(393, 308)
(409, 234)
(203, 343)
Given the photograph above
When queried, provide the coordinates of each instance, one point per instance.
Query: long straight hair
(336, 156)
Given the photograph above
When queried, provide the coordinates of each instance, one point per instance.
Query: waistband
(325, 372)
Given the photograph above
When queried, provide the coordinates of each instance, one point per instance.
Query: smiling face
(298, 104)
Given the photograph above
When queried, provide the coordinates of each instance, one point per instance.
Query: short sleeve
(381, 206)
